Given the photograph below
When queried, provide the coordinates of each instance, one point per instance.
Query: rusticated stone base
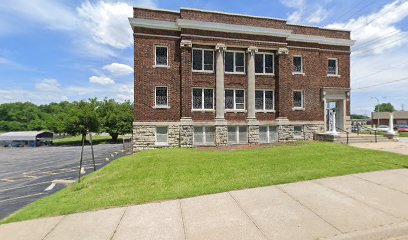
(181, 135)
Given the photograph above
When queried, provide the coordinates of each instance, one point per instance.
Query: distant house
(25, 139)
(383, 118)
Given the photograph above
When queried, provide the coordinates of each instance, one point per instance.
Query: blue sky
(55, 50)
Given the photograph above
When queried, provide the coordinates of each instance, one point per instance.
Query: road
(25, 173)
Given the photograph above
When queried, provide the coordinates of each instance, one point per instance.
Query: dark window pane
(197, 59)
(239, 99)
(229, 61)
(297, 63)
(229, 99)
(208, 98)
(259, 100)
(332, 66)
(268, 100)
(268, 63)
(161, 55)
(197, 98)
(161, 96)
(258, 63)
(208, 60)
(239, 62)
(297, 99)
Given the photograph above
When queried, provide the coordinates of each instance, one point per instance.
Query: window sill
(265, 74)
(161, 107)
(235, 73)
(235, 111)
(203, 71)
(299, 73)
(204, 145)
(161, 145)
(265, 111)
(161, 66)
(298, 109)
(202, 110)
(333, 75)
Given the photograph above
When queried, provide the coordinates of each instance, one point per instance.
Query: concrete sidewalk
(361, 206)
(400, 147)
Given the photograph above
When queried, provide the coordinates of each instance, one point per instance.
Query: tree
(116, 118)
(384, 107)
(357, 116)
(82, 118)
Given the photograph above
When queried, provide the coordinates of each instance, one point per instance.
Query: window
(234, 62)
(161, 136)
(234, 99)
(203, 98)
(298, 131)
(203, 60)
(264, 63)
(297, 64)
(204, 136)
(161, 54)
(268, 134)
(298, 99)
(161, 97)
(237, 135)
(332, 68)
(264, 100)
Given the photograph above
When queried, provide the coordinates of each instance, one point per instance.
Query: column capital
(186, 44)
(252, 50)
(283, 51)
(220, 47)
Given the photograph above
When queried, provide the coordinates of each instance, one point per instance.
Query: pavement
(359, 206)
(400, 147)
(26, 174)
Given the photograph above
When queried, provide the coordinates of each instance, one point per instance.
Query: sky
(57, 50)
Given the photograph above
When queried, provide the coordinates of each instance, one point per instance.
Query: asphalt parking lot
(25, 173)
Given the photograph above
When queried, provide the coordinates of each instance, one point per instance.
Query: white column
(219, 78)
(391, 124)
(251, 82)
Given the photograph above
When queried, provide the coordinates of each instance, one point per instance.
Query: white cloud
(48, 85)
(118, 69)
(318, 15)
(310, 13)
(101, 80)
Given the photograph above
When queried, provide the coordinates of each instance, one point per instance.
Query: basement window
(298, 131)
(161, 136)
(268, 134)
(237, 135)
(204, 136)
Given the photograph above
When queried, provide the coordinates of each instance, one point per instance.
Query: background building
(383, 118)
(25, 139)
(213, 78)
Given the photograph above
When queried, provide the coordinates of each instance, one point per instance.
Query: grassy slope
(77, 140)
(178, 173)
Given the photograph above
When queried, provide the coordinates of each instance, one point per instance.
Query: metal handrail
(347, 134)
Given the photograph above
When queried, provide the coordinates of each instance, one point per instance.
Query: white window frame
(202, 60)
(204, 143)
(237, 135)
(202, 109)
(167, 138)
(268, 130)
(301, 66)
(155, 100)
(273, 63)
(302, 100)
(155, 59)
(233, 63)
(337, 68)
(235, 103)
(264, 104)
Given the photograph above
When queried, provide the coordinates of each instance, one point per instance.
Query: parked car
(382, 128)
(403, 129)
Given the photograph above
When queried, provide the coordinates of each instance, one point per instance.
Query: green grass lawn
(162, 174)
(77, 140)
(403, 134)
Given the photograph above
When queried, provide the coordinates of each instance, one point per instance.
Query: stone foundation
(180, 135)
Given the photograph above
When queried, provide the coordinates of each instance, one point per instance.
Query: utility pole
(378, 110)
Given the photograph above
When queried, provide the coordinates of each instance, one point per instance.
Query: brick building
(213, 78)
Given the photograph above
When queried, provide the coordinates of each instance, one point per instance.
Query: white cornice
(233, 28)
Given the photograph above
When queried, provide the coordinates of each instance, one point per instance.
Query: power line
(351, 10)
(384, 70)
(377, 39)
(381, 45)
(381, 84)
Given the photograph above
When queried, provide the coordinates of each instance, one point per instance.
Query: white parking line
(26, 196)
(49, 188)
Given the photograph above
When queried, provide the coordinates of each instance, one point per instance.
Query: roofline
(240, 15)
(234, 14)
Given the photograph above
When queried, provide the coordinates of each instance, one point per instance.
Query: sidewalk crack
(120, 221)
(182, 220)
(52, 229)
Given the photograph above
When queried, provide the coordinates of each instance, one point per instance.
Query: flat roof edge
(156, 9)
